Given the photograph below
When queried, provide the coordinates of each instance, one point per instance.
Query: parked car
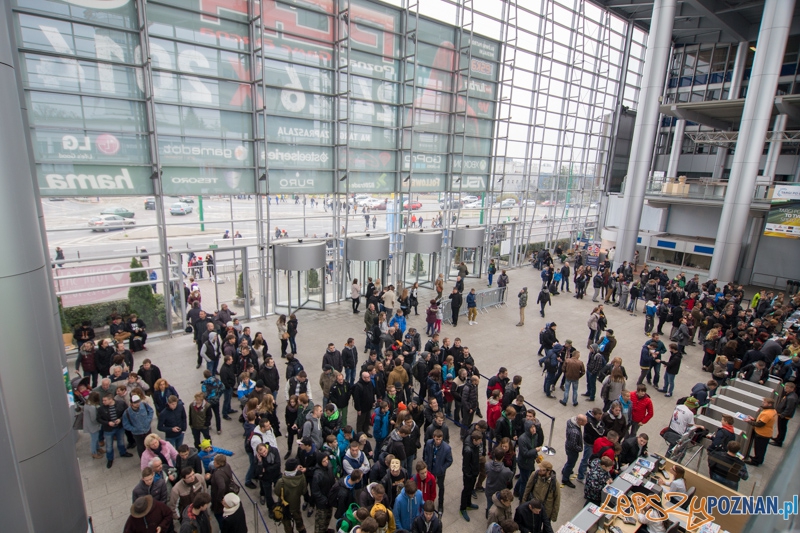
(508, 202)
(186, 199)
(470, 198)
(56, 199)
(123, 212)
(414, 205)
(109, 222)
(473, 205)
(548, 202)
(451, 202)
(150, 203)
(373, 203)
(180, 208)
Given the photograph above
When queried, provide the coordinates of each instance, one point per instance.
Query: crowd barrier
(485, 299)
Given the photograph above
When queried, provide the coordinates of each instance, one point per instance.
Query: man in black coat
(109, 415)
(633, 448)
(364, 401)
(455, 305)
(269, 374)
(531, 518)
(322, 482)
(227, 375)
(470, 466)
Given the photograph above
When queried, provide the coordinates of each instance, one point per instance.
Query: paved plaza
(494, 342)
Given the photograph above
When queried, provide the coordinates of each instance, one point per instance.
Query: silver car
(109, 222)
(179, 208)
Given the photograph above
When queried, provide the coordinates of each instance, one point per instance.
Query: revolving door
(298, 276)
(366, 257)
(420, 258)
(467, 247)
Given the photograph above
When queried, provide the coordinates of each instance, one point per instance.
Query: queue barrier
(257, 516)
(484, 299)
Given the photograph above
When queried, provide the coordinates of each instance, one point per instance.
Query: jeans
(211, 366)
(550, 379)
(175, 441)
(643, 374)
(594, 334)
(491, 277)
(669, 382)
(293, 343)
(591, 385)
(574, 385)
(440, 483)
(466, 491)
(565, 280)
(725, 481)
(248, 477)
(350, 376)
(266, 493)
(197, 433)
(226, 401)
(116, 435)
(215, 409)
(572, 458)
(587, 453)
(431, 329)
(596, 292)
(95, 441)
(409, 463)
(519, 488)
(656, 368)
(356, 301)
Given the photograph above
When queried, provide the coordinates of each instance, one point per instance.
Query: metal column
(42, 482)
(774, 150)
(644, 131)
(677, 145)
(756, 115)
(733, 93)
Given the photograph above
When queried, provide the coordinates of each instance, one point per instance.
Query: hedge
(99, 314)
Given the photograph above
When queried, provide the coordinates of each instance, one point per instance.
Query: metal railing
(484, 299)
(702, 189)
(256, 510)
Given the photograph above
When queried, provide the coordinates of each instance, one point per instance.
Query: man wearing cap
(290, 488)
(137, 419)
(682, 421)
(148, 516)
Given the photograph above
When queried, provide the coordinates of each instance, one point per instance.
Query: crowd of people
(412, 398)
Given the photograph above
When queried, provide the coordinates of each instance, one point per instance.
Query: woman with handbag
(283, 335)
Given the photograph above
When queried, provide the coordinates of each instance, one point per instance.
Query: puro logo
(98, 4)
(296, 183)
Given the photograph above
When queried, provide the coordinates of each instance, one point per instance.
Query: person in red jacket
(604, 446)
(641, 408)
(494, 407)
(426, 482)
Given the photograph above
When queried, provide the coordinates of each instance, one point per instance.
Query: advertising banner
(783, 219)
(101, 276)
(94, 180)
(178, 181)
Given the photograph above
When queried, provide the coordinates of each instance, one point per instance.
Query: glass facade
(224, 126)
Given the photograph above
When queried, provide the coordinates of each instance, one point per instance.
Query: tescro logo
(98, 4)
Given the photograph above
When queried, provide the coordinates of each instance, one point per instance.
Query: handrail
(256, 510)
(552, 418)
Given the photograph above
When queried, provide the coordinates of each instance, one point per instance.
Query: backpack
(542, 332)
(213, 389)
(247, 448)
(551, 361)
(600, 452)
(603, 344)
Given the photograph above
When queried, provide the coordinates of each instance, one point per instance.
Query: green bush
(240, 286)
(98, 314)
(313, 279)
(418, 265)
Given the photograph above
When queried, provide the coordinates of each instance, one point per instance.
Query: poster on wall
(783, 219)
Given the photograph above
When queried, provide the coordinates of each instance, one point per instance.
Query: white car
(372, 202)
(109, 222)
(180, 208)
(508, 202)
(472, 205)
(470, 198)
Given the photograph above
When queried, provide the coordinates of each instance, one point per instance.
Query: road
(66, 223)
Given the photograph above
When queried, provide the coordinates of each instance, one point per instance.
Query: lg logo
(106, 144)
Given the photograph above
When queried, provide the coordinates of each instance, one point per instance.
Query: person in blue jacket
(380, 424)
(137, 420)
(472, 307)
(207, 454)
(399, 321)
(408, 505)
(438, 456)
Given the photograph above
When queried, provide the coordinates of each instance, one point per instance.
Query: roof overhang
(727, 114)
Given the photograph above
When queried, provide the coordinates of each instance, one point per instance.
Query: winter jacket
(182, 494)
(527, 445)
(339, 395)
(167, 450)
(199, 416)
(630, 450)
(271, 378)
(396, 446)
(326, 381)
(170, 418)
(499, 512)
(333, 358)
(545, 489)
(221, 479)
(427, 486)
(407, 508)
(574, 436)
(498, 476)
(642, 409)
(245, 389)
(437, 460)
(157, 489)
(470, 459)
(603, 443)
(363, 395)
(674, 363)
(593, 429)
(493, 410)
(349, 357)
(322, 482)
(312, 428)
(293, 488)
(103, 416)
(574, 369)
(469, 397)
(595, 481)
(421, 526)
(207, 457)
(380, 424)
(620, 425)
(138, 421)
(159, 517)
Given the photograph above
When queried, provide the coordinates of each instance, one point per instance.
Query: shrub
(240, 286)
(313, 279)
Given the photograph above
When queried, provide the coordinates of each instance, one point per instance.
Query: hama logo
(89, 181)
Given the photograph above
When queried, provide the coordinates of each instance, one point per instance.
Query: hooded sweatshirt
(407, 508)
(499, 510)
(313, 429)
(498, 476)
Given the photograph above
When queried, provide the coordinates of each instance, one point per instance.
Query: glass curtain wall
(204, 130)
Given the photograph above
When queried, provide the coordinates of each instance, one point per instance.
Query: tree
(240, 286)
(313, 279)
(141, 298)
(417, 265)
